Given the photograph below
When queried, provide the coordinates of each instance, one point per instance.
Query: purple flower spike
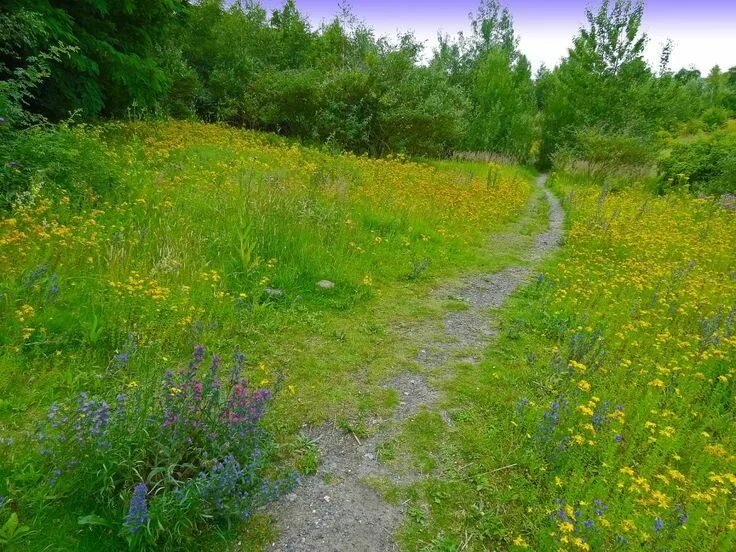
(137, 517)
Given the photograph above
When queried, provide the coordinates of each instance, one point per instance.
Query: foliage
(339, 84)
(704, 165)
(191, 450)
(114, 63)
(11, 532)
(604, 85)
(602, 418)
(497, 80)
(61, 162)
(604, 156)
(21, 76)
(218, 236)
(598, 84)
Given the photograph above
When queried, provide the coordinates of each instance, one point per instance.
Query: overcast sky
(703, 31)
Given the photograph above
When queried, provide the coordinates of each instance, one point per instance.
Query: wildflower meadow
(289, 275)
(218, 239)
(608, 402)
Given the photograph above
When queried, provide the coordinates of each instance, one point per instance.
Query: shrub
(61, 161)
(157, 466)
(606, 153)
(715, 118)
(706, 165)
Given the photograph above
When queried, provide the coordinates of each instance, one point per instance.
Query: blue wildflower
(53, 285)
(658, 524)
(138, 516)
(54, 477)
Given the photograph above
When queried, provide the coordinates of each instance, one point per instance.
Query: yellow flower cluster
(654, 278)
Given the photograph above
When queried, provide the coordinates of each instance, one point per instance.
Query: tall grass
(603, 419)
(216, 237)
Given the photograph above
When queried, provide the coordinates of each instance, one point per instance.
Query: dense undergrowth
(603, 418)
(210, 236)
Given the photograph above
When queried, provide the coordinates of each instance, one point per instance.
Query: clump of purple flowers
(196, 439)
(137, 517)
(205, 411)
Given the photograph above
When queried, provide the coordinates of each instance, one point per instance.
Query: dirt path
(336, 510)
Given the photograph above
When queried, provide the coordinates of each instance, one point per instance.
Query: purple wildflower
(53, 285)
(658, 524)
(54, 477)
(600, 508)
(138, 516)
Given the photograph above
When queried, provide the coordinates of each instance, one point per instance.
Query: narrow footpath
(337, 510)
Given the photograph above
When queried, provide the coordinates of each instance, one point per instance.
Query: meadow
(601, 418)
(270, 283)
(236, 241)
(608, 400)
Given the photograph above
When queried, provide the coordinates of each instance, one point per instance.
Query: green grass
(606, 302)
(210, 220)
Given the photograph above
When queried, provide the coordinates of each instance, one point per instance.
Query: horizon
(702, 38)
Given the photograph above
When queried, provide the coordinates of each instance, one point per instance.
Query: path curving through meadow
(337, 509)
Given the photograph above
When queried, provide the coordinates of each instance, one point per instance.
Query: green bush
(62, 161)
(706, 165)
(715, 118)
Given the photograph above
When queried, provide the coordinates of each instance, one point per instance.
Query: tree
(488, 66)
(602, 82)
(114, 64)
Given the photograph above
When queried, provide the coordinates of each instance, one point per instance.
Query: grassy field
(220, 237)
(601, 419)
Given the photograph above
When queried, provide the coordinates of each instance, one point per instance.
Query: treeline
(340, 84)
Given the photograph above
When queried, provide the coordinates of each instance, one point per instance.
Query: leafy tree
(600, 82)
(20, 76)
(497, 79)
(115, 63)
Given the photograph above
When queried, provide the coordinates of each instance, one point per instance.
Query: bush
(156, 465)
(706, 165)
(715, 118)
(602, 155)
(61, 161)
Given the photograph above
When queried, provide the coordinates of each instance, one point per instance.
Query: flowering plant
(193, 448)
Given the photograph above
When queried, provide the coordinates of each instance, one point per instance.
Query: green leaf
(10, 526)
(92, 519)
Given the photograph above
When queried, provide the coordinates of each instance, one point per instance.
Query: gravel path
(336, 510)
